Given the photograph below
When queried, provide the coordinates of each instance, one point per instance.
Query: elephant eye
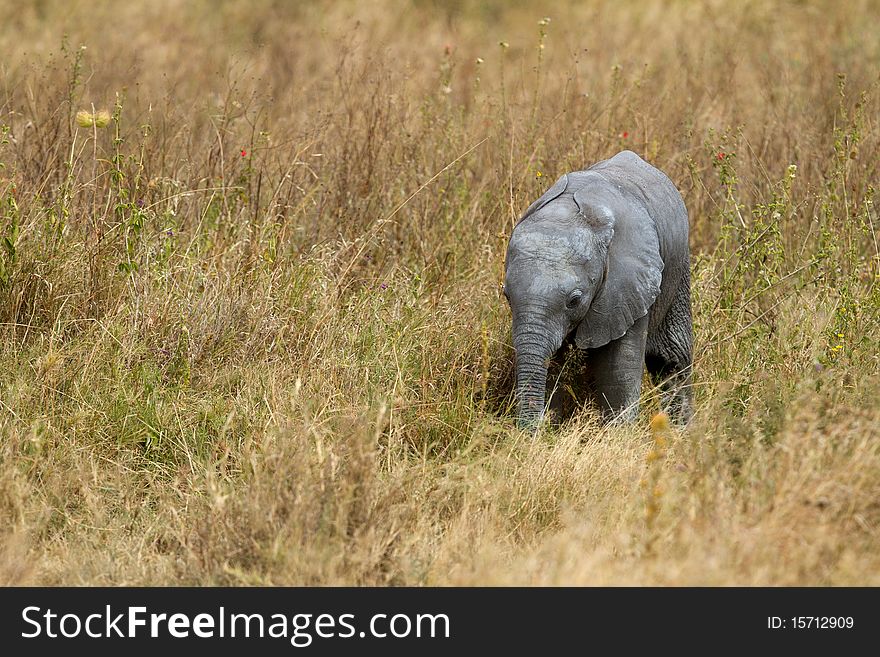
(574, 299)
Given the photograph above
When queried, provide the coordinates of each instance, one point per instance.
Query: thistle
(99, 119)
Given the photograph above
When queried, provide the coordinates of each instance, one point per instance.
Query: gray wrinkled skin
(602, 258)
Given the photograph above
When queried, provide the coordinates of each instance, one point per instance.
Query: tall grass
(251, 329)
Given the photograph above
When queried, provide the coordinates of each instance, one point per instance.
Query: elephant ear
(558, 188)
(633, 271)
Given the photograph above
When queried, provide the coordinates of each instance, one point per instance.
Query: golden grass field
(251, 329)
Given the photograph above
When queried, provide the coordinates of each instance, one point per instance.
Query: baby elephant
(603, 258)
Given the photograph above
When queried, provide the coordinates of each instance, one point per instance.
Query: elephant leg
(616, 373)
(669, 359)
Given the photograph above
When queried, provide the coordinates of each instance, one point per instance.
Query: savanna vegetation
(251, 329)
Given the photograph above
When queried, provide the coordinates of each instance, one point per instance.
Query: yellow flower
(660, 423)
(653, 455)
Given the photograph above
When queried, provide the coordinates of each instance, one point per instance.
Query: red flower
(243, 153)
(625, 135)
(721, 155)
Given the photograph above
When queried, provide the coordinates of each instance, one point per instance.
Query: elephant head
(583, 259)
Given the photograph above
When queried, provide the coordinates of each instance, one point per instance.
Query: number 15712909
(810, 623)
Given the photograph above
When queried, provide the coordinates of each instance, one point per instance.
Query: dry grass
(251, 331)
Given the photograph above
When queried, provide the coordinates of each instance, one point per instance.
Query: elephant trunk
(533, 351)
